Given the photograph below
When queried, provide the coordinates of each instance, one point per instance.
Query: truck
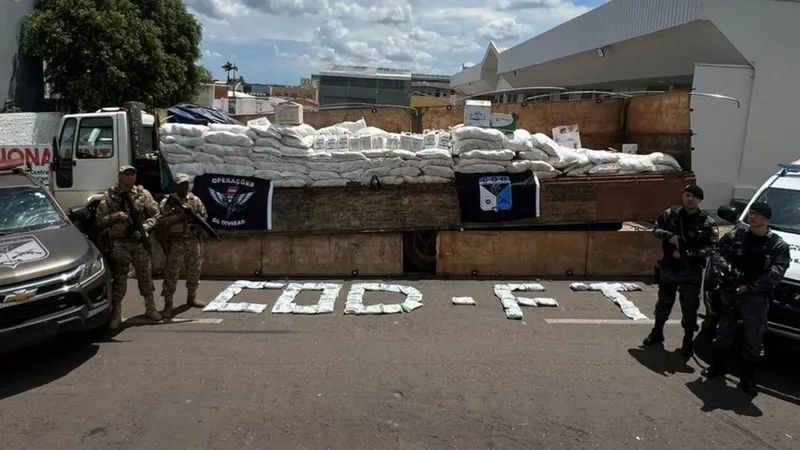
(90, 147)
(782, 192)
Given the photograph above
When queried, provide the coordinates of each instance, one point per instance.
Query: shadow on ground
(34, 367)
(777, 376)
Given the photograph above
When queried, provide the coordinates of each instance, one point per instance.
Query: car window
(95, 138)
(26, 208)
(785, 204)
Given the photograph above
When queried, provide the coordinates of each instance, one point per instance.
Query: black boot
(687, 349)
(718, 366)
(655, 337)
(747, 379)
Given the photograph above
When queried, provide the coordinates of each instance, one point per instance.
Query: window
(27, 208)
(785, 204)
(66, 143)
(95, 138)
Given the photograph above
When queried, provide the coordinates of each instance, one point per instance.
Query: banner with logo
(498, 197)
(235, 203)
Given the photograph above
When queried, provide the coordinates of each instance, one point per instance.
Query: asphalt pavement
(439, 377)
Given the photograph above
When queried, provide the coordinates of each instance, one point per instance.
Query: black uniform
(697, 235)
(758, 263)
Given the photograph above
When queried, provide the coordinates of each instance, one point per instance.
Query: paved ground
(440, 377)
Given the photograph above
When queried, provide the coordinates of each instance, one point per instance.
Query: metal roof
(339, 70)
(615, 21)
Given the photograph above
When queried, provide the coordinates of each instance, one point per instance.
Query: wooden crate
(546, 254)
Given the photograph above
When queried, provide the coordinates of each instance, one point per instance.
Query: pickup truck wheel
(419, 250)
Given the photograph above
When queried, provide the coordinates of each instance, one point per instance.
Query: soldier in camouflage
(687, 237)
(123, 244)
(183, 245)
(755, 260)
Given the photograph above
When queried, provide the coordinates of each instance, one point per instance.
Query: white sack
(178, 158)
(519, 140)
(534, 155)
(545, 143)
(480, 168)
(426, 179)
(239, 160)
(466, 145)
(438, 171)
(191, 169)
(229, 138)
(434, 153)
(498, 155)
(339, 182)
(229, 169)
(470, 132)
(176, 149)
(183, 129)
(223, 151)
(183, 141)
(290, 183)
(664, 160)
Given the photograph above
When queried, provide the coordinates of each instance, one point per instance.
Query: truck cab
(782, 192)
(89, 148)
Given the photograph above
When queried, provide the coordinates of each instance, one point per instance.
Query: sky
(280, 41)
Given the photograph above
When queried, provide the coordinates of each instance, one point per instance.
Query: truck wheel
(419, 250)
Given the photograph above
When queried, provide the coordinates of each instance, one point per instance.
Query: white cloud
(434, 36)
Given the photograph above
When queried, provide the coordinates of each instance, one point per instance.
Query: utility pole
(229, 67)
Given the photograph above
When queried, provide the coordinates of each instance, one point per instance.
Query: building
(430, 90)
(21, 77)
(746, 49)
(358, 84)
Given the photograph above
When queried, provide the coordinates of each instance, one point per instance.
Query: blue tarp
(199, 115)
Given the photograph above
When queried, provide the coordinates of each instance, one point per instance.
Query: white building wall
(766, 32)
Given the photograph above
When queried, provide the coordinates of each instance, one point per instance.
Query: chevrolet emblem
(20, 296)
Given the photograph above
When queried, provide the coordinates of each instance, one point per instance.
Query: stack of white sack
(297, 156)
(596, 162)
(487, 150)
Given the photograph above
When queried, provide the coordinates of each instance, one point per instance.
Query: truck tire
(419, 250)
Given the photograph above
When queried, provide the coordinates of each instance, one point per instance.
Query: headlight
(91, 269)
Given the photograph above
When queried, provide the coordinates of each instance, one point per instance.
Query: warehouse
(746, 49)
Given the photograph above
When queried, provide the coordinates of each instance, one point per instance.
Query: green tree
(205, 75)
(106, 52)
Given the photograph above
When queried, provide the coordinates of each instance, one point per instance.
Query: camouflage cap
(124, 169)
(181, 178)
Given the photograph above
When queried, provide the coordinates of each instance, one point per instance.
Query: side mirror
(79, 214)
(728, 213)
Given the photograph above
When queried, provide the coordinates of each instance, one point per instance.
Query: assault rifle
(136, 223)
(193, 216)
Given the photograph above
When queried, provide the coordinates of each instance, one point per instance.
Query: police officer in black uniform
(756, 260)
(687, 236)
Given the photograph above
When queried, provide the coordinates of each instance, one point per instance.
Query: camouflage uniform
(183, 248)
(123, 247)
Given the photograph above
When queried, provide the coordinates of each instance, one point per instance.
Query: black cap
(762, 209)
(694, 190)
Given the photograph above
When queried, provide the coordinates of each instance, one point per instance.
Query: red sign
(36, 155)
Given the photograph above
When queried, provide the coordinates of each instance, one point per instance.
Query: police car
(53, 280)
(782, 193)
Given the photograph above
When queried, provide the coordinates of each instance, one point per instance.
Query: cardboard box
(288, 113)
(478, 113)
(504, 122)
(568, 136)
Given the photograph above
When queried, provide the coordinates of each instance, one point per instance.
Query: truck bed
(582, 200)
